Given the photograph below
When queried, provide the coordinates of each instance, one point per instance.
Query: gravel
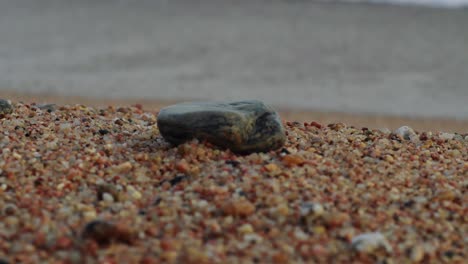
(71, 193)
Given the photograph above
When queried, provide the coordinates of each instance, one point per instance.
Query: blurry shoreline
(376, 121)
(340, 57)
(417, 3)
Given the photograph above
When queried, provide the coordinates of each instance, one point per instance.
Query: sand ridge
(287, 113)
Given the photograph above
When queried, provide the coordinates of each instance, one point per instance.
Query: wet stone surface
(243, 127)
(5, 107)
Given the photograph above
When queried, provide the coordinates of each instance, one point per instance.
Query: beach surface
(375, 121)
(84, 184)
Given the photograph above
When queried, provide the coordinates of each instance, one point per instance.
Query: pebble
(108, 192)
(385, 130)
(104, 232)
(417, 254)
(293, 160)
(446, 136)
(245, 229)
(47, 107)
(243, 127)
(107, 197)
(369, 242)
(240, 207)
(406, 133)
(309, 208)
(134, 194)
(9, 209)
(5, 107)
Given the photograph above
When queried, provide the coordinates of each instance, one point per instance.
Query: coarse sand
(83, 184)
(291, 114)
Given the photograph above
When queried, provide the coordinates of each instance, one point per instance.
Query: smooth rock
(370, 242)
(47, 107)
(407, 133)
(244, 126)
(104, 232)
(446, 136)
(416, 254)
(385, 130)
(308, 208)
(5, 107)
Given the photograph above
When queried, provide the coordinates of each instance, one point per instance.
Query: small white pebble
(76, 122)
(307, 208)
(252, 238)
(406, 133)
(89, 215)
(385, 130)
(90, 150)
(300, 235)
(245, 229)
(65, 126)
(201, 204)
(133, 192)
(369, 242)
(249, 239)
(108, 197)
(52, 144)
(417, 254)
(65, 164)
(446, 136)
(108, 146)
(420, 199)
(123, 167)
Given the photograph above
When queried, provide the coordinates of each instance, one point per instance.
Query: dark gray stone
(5, 107)
(243, 127)
(47, 107)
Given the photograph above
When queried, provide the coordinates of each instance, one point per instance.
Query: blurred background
(406, 58)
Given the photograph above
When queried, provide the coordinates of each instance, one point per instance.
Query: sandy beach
(376, 121)
(83, 184)
(88, 178)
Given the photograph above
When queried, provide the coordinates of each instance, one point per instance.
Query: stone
(407, 133)
(446, 136)
(416, 253)
(385, 130)
(5, 107)
(104, 232)
(243, 127)
(310, 208)
(369, 242)
(47, 107)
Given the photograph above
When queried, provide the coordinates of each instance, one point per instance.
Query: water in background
(337, 57)
(430, 3)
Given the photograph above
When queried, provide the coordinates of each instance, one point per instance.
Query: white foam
(431, 3)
